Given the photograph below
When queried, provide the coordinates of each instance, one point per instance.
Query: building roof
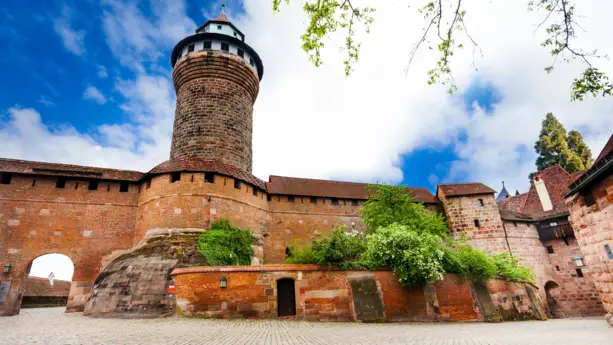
(207, 165)
(68, 170)
(515, 216)
(603, 163)
(35, 286)
(222, 18)
(503, 193)
(556, 181)
(333, 189)
(460, 189)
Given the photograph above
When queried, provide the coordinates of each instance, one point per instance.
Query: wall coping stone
(262, 268)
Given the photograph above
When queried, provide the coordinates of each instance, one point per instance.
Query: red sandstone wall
(36, 218)
(297, 223)
(593, 227)
(461, 211)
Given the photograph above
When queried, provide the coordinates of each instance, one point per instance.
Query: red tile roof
(333, 189)
(608, 148)
(207, 165)
(459, 189)
(69, 170)
(222, 18)
(601, 165)
(35, 286)
(556, 182)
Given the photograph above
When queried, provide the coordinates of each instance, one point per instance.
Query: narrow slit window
(237, 184)
(108, 187)
(255, 191)
(190, 48)
(550, 249)
(288, 252)
(290, 198)
(206, 45)
(93, 185)
(33, 182)
(268, 198)
(123, 187)
(240, 53)
(148, 184)
(225, 47)
(209, 177)
(334, 201)
(60, 183)
(76, 185)
(6, 178)
(480, 202)
(313, 200)
(175, 176)
(476, 221)
(579, 273)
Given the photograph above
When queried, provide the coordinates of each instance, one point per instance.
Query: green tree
(225, 245)
(389, 205)
(554, 146)
(444, 30)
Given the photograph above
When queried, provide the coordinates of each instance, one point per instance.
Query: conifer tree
(554, 146)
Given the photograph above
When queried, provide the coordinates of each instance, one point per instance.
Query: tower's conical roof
(223, 18)
(503, 193)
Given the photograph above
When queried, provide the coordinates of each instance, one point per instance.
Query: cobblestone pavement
(52, 326)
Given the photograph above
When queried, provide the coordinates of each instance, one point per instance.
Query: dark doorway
(286, 297)
(551, 292)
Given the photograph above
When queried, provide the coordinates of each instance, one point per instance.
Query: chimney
(541, 190)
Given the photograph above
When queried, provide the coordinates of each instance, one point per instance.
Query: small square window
(290, 198)
(218, 27)
(268, 197)
(190, 48)
(93, 185)
(237, 184)
(334, 201)
(579, 273)
(60, 183)
(255, 191)
(240, 53)
(209, 177)
(550, 249)
(558, 268)
(476, 221)
(175, 176)
(313, 200)
(225, 47)
(206, 45)
(354, 202)
(588, 197)
(123, 187)
(148, 183)
(480, 202)
(609, 251)
(553, 224)
(6, 178)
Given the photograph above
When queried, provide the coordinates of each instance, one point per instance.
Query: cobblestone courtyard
(52, 326)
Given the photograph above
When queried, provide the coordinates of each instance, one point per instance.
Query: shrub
(416, 258)
(225, 245)
(394, 205)
(478, 265)
(338, 249)
(508, 268)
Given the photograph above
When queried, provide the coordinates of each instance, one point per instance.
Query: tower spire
(222, 16)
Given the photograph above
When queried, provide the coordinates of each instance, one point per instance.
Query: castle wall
(36, 218)
(192, 202)
(462, 211)
(297, 223)
(213, 118)
(593, 227)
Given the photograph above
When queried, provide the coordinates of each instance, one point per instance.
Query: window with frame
(225, 47)
(237, 184)
(123, 187)
(549, 249)
(190, 48)
(60, 182)
(206, 45)
(5, 178)
(240, 53)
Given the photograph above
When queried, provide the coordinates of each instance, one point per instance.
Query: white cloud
(93, 94)
(314, 122)
(44, 100)
(102, 73)
(73, 39)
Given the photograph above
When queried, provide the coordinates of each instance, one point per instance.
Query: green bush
(508, 268)
(416, 258)
(224, 245)
(478, 265)
(389, 205)
(337, 249)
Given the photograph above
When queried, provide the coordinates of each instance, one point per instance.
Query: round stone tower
(216, 77)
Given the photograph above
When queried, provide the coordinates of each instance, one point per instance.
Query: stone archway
(47, 281)
(552, 290)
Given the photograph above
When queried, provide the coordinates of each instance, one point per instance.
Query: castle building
(101, 218)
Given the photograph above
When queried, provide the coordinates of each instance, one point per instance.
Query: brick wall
(462, 211)
(213, 118)
(593, 227)
(36, 218)
(326, 294)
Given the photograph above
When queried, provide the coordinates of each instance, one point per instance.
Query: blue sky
(89, 82)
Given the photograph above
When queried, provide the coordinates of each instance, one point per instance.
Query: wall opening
(551, 292)
(46, 282)
(286, 297)
(5, 178)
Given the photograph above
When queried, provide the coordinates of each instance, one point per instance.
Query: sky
(90, 83)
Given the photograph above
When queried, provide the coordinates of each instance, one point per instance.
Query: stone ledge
(263, 268)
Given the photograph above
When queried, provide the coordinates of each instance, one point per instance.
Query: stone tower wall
(214, 115)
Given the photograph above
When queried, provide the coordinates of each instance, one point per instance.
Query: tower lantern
(216, 77)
